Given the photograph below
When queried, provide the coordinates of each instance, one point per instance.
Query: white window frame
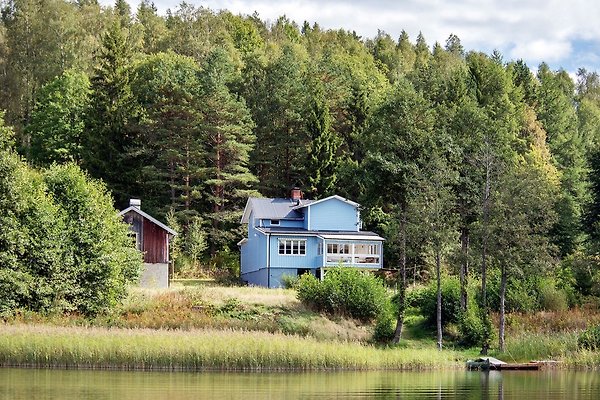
(291, 247)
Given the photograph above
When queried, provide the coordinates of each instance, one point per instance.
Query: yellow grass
(47, 346)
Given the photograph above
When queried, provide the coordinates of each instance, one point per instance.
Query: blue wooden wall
(333, 215)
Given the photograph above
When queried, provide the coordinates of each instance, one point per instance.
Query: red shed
(152, 238)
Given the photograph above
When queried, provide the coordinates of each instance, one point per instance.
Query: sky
(563, 33)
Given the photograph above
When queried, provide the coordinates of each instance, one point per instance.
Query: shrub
(95, 238)
(384, 329)
(62, 245)
(344, 291)
(590, 338)
(289, 281)
(426, 299)
(474, 326)
(550, 297)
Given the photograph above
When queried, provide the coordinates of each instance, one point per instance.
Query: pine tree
(168, 140)
(226, 130)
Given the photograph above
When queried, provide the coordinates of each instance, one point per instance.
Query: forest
(470, 165)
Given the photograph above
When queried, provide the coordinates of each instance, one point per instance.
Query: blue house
(295, 236)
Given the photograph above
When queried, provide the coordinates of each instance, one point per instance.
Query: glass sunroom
(351, 250)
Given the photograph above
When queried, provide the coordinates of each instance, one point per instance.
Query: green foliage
(96, 239)
(290, 281)
(195, 240)
(62, 247)
(7, 136)
(590, 338)
(384, 329)
(344, 291)
(551, 298)
(474, 327)
(426, 299)
(58, 119)
(226, 263)
(197, 110)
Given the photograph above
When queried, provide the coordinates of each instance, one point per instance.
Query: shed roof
(266, 208)
(149, 217)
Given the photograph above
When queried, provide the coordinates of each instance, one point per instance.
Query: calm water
(71, 385)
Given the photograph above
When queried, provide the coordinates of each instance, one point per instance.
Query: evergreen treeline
(463, 161)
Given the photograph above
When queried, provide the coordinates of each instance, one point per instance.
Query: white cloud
(534, 30)
(542, 50)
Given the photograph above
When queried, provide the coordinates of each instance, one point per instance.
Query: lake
(28, 384)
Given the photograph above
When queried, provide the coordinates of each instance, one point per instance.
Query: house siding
(258, 277)
(254, 252)
(283, 223)
(332, 215)
(155, 243)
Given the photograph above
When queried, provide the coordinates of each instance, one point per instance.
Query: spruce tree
(322, 160)
(112, 107)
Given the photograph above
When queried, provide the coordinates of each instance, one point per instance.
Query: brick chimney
(137, 203)
(296, 194)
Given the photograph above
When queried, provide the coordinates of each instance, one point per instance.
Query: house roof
(307, 203)
(149, 217)
(335, 235)
(266, 208)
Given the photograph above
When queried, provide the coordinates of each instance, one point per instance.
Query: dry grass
(251, 295)
(215, 307)
(573, 320)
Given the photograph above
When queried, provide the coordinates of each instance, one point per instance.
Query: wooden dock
(516, 367)
(493, 364)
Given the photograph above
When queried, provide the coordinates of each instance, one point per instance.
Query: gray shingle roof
(266, 208)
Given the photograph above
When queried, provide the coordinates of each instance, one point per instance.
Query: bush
(474, 327)
(289, 281)
(63, 246)
(521, 294)
(384, 329)
(590, 338)
(550, 297)
(346, 292)
(426, 300)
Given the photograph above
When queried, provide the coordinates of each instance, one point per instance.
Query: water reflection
(91, 385)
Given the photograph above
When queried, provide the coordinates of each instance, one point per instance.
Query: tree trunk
(439, 298)
(484, 248)
(502, 310)
(402, 289)
(464, 268)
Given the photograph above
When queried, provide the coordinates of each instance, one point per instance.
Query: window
(338, 248)
(274, 222)
(290, 247)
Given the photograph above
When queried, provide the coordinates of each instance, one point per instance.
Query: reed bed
(527, 346)
(196, 350)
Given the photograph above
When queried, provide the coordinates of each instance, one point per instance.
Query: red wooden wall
(155, 243)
